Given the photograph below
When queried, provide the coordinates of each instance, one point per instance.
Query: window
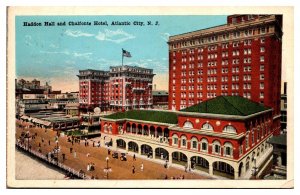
(229, 129)
(262, 58)
(207, 126)
(204, 144)
(175, 139)
(262, 40)
(253, 141)
(261, 86)
(228, 149)
(262, 68)
(188, 124)
(262, 76)
(216, 147)
(247, 141)
(194, 143)
(183, 141)
(262, 49)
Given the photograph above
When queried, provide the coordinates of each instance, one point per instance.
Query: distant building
(32, 103)
(160, 98)
(31, 87)
(279, 168)
(283, 108)
(72, 109)
(120, 88)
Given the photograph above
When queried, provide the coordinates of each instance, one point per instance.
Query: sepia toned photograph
(150, 98)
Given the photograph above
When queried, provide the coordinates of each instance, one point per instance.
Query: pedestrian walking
(43, 140)
(134, 157)
(142, 167)
(64, 156)
(93, 143)
(71, 149)
(133, 169)
(88, 167)
(49, 142)
(74, 154)
(39, 144)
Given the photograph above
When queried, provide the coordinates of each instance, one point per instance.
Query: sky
(57, 53)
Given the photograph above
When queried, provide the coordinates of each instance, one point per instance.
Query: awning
(24, 117)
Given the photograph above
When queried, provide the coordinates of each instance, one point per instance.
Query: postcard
(156, 97)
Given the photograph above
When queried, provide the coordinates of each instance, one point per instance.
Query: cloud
(66, 52)
(85, 55)
(165, 36)
(117, 36)
(28, 40)
(52, 45)
(78, 33)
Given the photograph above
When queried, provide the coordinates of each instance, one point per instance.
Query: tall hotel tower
(240, 58)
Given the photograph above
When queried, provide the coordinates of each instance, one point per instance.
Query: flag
(126, 53)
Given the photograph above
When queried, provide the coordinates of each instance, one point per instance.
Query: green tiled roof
(227, 105)
(146, 115)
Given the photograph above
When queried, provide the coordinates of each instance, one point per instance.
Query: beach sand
(28, 168)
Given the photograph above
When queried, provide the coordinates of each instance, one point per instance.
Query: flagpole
(122, 56)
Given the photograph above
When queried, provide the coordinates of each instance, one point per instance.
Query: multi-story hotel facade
(225, 136)
(240, 58)
(120, 88)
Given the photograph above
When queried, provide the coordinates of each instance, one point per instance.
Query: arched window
(204, 145)
(247, 163)
(175, 139)
(229, 129)
(188, 124)
(247, 141)
(183, 141)
(216, 147)
(194, 142)
(207, 126)
(228, 149)
(258, 133)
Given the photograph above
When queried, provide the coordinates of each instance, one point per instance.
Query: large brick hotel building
(120, 88)
(224, 136)
(242, 57)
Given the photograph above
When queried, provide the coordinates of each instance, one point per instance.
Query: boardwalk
(119, 169)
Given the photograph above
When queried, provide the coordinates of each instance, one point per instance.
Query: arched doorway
(179, 158)
(166, 135)
(139, 129)
(133, 128)
(152, 131)
(121, 144)
(241, 166)
(146, 150)
(132, 146)
(146, 133)
(223, 169)
(159, 132)
(199, 163)
(161, 153)
(128, 128)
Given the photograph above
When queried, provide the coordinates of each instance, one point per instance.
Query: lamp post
(107, 169)
(107, 166)
(57, 152)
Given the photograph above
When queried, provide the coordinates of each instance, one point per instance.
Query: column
(126, 146)
(140, 150)
(211, 169)
(170, 158)
(236, 174)
(189, 163)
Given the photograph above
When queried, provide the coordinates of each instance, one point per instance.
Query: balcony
(147, 138)
(138, 89)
